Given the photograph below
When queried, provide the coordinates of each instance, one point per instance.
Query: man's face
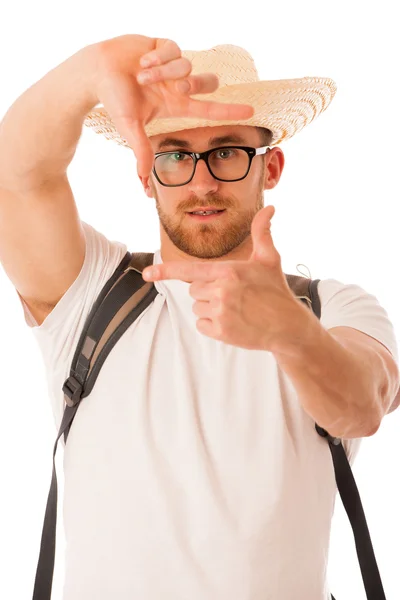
(221, 235)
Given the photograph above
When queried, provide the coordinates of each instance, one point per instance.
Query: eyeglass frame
(196, 156)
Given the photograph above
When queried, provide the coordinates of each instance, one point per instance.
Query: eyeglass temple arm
(262, 150)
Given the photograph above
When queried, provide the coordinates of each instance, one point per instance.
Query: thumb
(263, 245)
(134, 133)
(141, 146)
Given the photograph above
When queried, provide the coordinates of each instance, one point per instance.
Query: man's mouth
(206, 214)
(203, 209)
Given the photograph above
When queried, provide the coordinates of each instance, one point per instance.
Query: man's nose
(203, 182)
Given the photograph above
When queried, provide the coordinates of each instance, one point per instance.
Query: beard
(212, 239)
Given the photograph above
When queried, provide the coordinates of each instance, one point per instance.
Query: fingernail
(145, 62)
(149, 273)
(144, 77)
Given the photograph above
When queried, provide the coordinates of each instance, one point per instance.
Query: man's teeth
(206, 212)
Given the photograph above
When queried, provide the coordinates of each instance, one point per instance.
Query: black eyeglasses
(227, 163)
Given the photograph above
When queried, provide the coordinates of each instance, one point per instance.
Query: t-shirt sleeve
(351, 306)
(58, 335)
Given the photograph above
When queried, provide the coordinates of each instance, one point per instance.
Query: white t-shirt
(191, 471)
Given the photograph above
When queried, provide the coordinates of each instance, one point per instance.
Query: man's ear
(274, 164)
(146, 183)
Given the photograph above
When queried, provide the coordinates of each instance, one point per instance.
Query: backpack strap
(124, 297)
(120, 302)
(307, 291)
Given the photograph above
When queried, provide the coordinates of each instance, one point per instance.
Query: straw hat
(284, 106)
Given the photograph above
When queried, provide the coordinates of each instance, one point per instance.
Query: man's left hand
(243, 303)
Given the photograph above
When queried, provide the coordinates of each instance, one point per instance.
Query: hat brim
(284, 106)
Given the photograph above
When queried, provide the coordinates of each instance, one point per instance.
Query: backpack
(123, 298)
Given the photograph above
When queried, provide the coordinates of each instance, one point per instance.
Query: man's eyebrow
(213, 142)
(228, 139)
(173, 142)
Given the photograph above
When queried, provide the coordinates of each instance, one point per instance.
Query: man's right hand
(131, 103)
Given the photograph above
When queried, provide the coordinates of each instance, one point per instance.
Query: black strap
(350, 496)
(74, 390)
(45, 568)
(352, 503)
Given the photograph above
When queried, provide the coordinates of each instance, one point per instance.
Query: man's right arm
(42, 243)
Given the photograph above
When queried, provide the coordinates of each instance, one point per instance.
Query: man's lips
(205, 209)
(213, 215)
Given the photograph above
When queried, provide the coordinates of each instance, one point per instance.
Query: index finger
(219, 111)
(184, 271)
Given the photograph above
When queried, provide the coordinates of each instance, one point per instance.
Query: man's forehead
(205, 135)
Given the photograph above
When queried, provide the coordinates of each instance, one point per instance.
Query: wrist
(303, 331)
(84, 68)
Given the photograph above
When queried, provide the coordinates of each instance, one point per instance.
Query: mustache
(215, 200)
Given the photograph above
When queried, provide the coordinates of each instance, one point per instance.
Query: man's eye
(225, 153)
(178, 156)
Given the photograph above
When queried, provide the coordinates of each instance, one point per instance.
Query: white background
(336, 211)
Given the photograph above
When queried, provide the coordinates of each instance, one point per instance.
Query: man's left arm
(345, 379)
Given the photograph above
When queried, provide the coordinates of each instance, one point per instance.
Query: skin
(229, 236)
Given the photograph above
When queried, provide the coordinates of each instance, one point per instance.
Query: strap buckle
(131, 268)
(73, 391)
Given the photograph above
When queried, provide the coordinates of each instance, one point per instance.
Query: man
(193, 469)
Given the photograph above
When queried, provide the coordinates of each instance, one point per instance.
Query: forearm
(338, 390)
(40, 131)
